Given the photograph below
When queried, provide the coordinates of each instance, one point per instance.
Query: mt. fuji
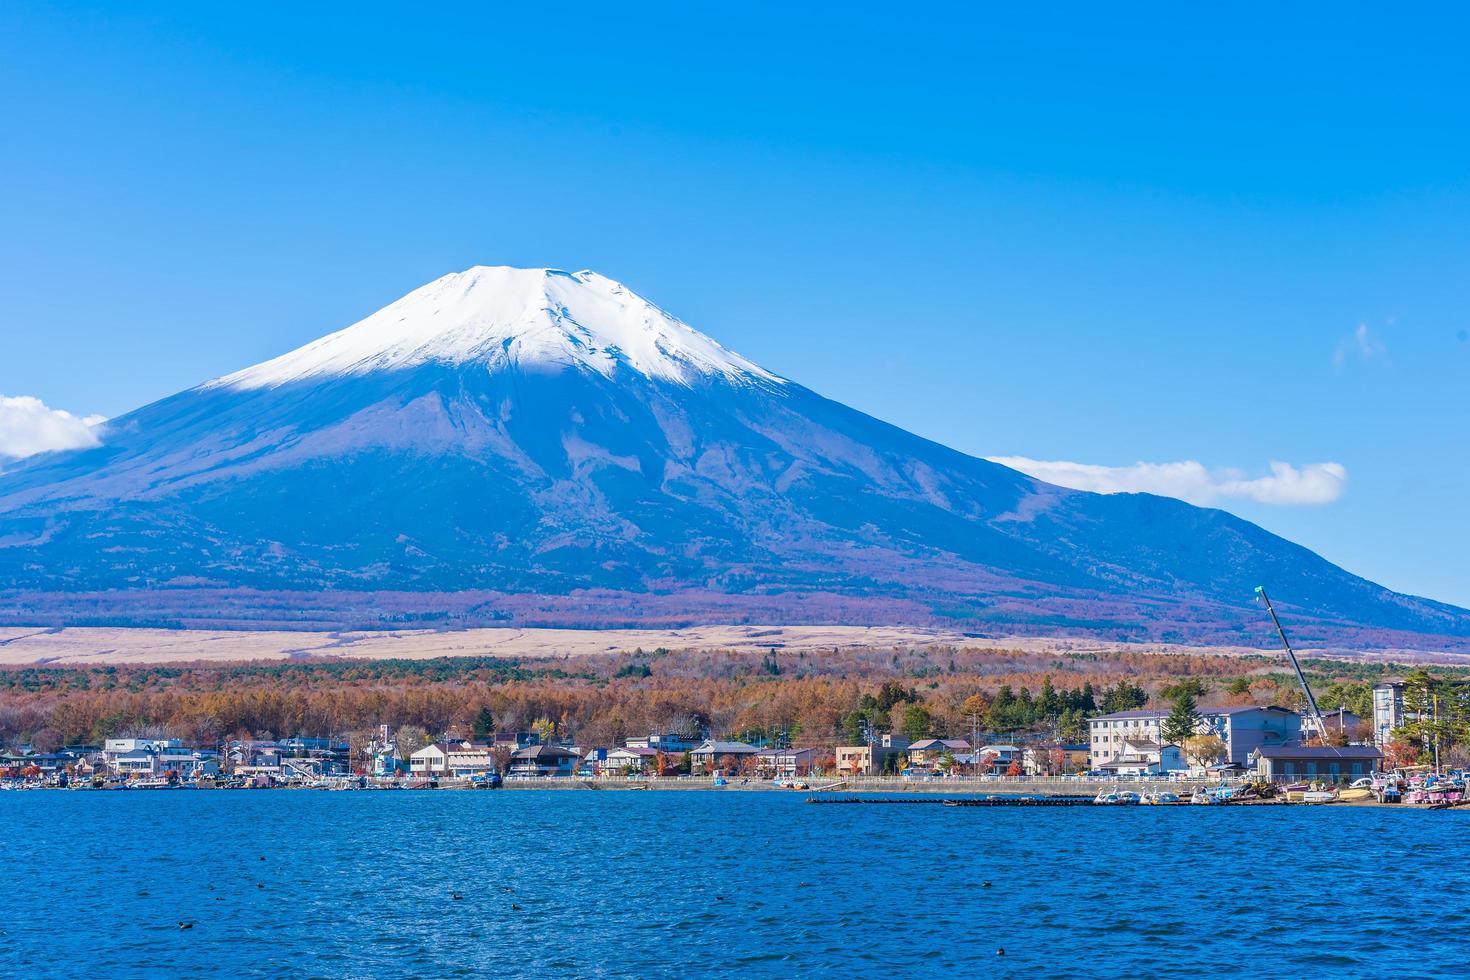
(538, 447)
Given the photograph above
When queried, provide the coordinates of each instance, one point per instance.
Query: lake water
(561, 883)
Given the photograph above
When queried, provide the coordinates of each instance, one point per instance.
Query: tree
(1048, 703)
(484, 724)
(409, 739)
(45, 741)
(545, 728)
(1203, 750)
(915, 722)
(1072, 726)
(1400, 752)
(1123, 697)
(1190, 685)
(1182, 721)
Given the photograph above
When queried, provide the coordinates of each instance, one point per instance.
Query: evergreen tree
(1049, 704)
(484, 724)
(1183, 720)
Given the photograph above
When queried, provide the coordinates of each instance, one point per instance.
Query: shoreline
(863, 791)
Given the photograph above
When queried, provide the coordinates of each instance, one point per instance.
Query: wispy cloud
(1312, 484)
(28, 426)
(1363, 344)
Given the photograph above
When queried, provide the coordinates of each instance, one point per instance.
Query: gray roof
(726, 748)
(1319, 752)
(547, 752)
(1230, 709)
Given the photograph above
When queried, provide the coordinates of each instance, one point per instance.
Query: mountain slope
(549, 448)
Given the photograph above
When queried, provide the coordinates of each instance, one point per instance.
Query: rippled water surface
(698, 883)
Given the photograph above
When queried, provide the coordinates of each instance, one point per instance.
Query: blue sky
(1084, 238)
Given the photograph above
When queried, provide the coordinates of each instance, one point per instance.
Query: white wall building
(1243, 729)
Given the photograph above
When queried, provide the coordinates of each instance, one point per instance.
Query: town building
(1316, 762)
(712, 754)
(255, 757)
(667, 742)
(429, 761)
(1054, 758)
(112, 748)
(997, 758)
(631, 759)
(515, 741)
(544, 760)
(1243, 729)
(881, 756)
(786, 762)
(150, 757)
(1388, 711)
(927, 751)
(1141, 758)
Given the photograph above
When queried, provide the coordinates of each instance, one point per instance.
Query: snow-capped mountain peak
(501, 316)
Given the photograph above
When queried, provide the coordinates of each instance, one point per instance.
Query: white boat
(1319, 796)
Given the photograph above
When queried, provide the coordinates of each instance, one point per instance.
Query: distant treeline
(821, 697)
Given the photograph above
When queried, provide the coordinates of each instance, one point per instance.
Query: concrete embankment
(938, 787)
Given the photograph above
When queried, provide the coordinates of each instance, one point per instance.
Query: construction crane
(1314, 715)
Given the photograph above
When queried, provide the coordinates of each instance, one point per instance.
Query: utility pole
(1435, 702)
(974, 743)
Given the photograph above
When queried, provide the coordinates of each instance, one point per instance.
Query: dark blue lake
(725, 883)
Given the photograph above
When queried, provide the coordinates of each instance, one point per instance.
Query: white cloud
(28, 426)
(1362, 343)
(1286, 486)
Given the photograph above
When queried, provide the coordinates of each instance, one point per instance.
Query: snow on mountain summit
(501, 316)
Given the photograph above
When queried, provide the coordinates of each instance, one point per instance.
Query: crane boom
(1314, 714)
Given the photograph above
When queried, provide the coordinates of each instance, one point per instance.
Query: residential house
(515, 741)
(140, 763)
(543, 760)
(430, 761)
(927, 751)
(1243, 729)
(255, 757)
(467, 759)
(313, 757)
(157, 757)
(997, 758)
(593, 761)
(1142, 758)
(188, 763)
(621, 762)
(50, 767)
(1316, 762)
(1054, 758)
(386, 762)
(712, 754)
(871, 760)
(112, 748)
(786, 762)
(667, 742)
